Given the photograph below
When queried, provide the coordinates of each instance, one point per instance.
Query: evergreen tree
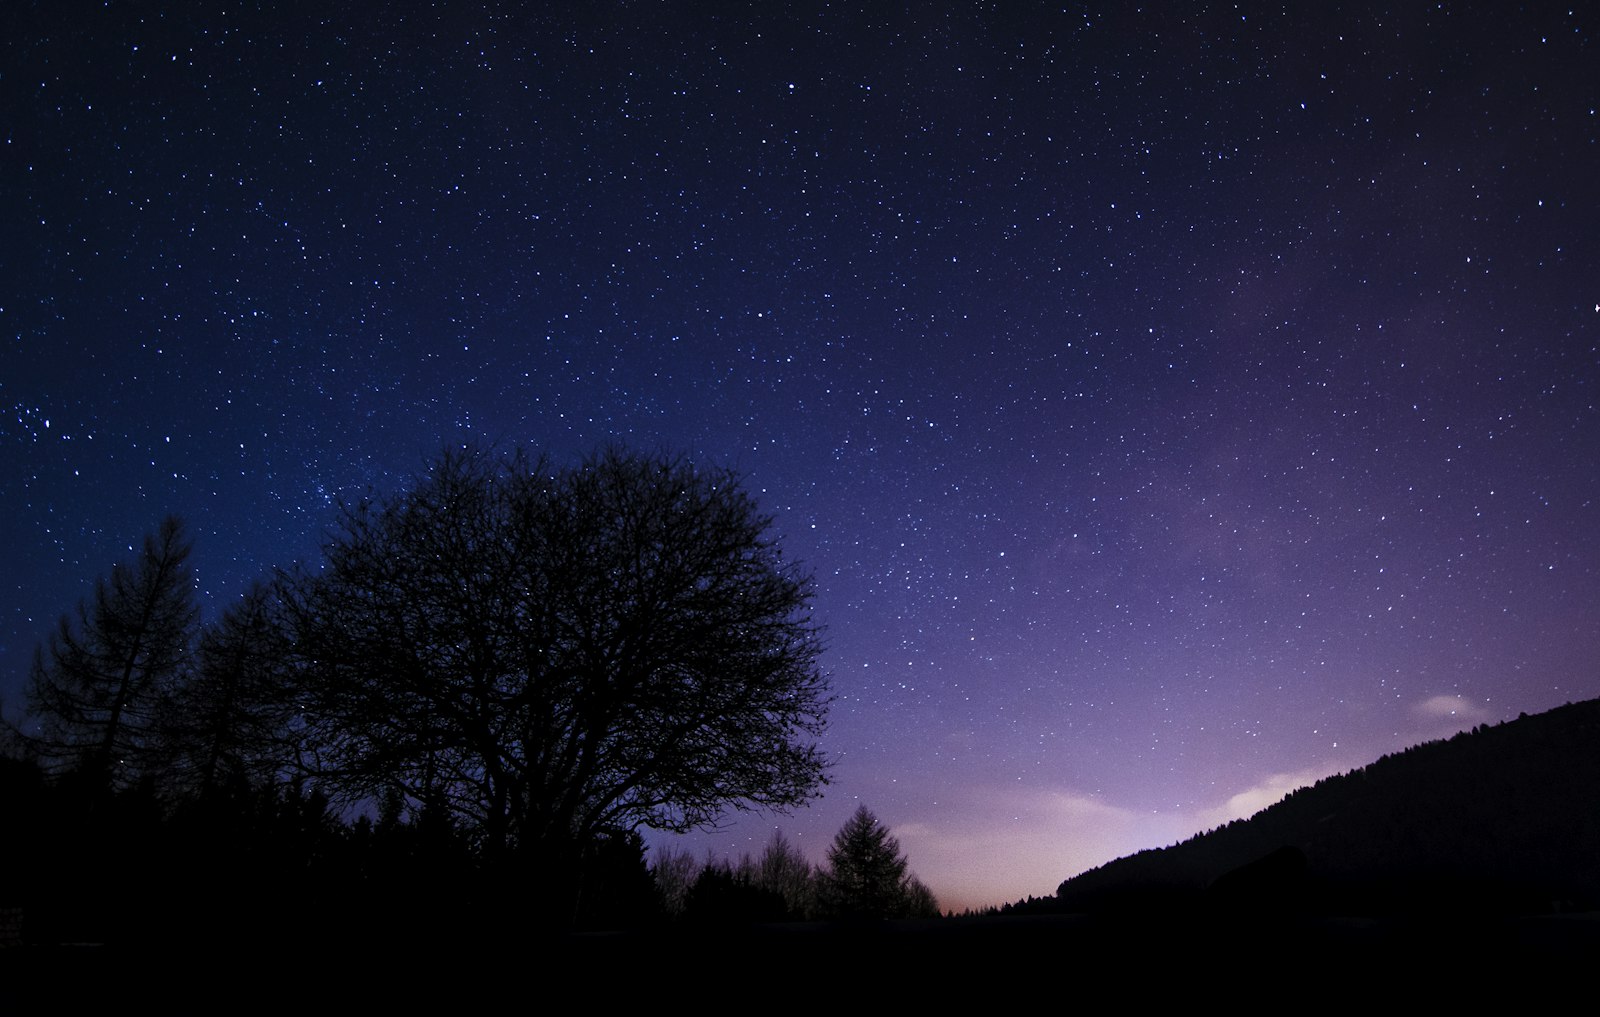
(723, 895)
(94, 694)
(866, 875)
(920, 901)
(228, 723)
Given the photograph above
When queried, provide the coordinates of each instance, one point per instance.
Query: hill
(1502, 818)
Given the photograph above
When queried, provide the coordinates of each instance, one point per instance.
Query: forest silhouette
(494, 679)
(465, 717)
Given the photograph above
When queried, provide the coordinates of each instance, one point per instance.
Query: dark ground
(1055, 960)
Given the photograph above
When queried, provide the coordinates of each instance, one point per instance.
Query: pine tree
(866, 875)
(228, 722)
(94, 694)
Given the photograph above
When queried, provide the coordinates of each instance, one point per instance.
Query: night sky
(1173, 408)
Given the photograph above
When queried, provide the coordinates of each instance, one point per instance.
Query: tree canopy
(507, 669)
(546, 653)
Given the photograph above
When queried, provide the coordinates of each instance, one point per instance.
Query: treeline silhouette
(865, 878)
(463, 718)
(276, 862)
(464, 714)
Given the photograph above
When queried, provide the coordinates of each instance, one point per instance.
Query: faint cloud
(988, 846)
(1270, 790)
(993, 846)
(1459, 708)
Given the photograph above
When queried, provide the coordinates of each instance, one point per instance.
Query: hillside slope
(1504, 817)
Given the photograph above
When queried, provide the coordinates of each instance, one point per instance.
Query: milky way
(1172, 408)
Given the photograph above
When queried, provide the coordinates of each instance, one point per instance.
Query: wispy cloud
(989, 846)
(1268, 791)
(1458, 710)
(993, 846)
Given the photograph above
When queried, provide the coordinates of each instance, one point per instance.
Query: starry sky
(1174, 406)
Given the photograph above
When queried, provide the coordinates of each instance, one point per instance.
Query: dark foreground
(1068, 958)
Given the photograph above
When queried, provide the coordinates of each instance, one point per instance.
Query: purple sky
(1172, 408)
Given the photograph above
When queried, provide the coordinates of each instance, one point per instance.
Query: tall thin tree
(228, 722)
(95, 688)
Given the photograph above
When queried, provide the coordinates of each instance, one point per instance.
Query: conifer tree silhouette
(94, 693)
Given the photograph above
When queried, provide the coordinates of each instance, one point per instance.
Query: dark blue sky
(1173, 407)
